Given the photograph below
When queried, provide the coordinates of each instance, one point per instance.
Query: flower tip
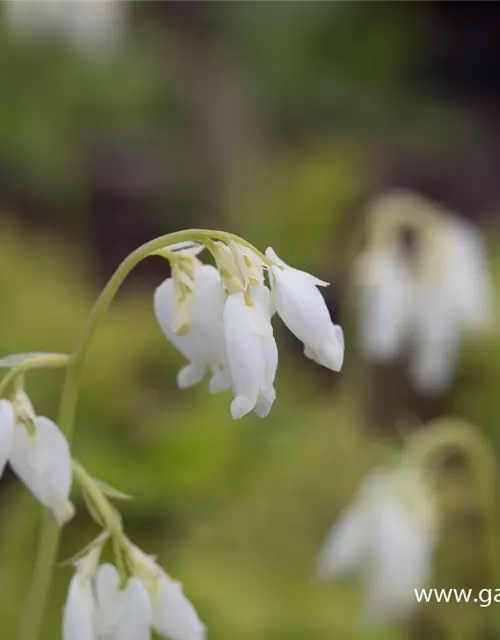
(64, 512)
(201, 634)
(240, 406)
(189, 376)
(271, 254)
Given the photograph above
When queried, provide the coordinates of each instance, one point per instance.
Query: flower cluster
(38, 453)
(424, 286)
(387, 536)
(219, 318)
(102, 604)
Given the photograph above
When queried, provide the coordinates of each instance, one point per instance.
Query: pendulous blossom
(424, 286)
(100, 607)
(302, 308)
(38, 453)
(203, 344)
(387, 538)
(173, 616)
(251, 351)
(219, 318)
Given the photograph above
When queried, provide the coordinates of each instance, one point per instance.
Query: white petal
(345, 546)
(203, 345)
(467, 276)
(164, 310)
(388, 304)
(107, 591)
(401, 559)
(190, 375)
(7, 426)
(134, 620)
(303, 309)
(271, 254)
(331, 353)
(434, 357)
(207, 315)
(173, 615)
(220, 381)
(243, 329)
(79, 611)
(265, 402)
(43, 463)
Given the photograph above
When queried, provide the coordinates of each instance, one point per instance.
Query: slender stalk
(31, 626)
(428, 448)
(52, 360)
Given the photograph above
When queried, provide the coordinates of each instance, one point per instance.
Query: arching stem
(37, 599)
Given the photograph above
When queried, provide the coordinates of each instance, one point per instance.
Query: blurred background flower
(289, 124)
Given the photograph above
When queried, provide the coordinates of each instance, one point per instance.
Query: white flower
(387, 537)
(80, 609)
(7, 426)
(302, 308)
(424, 285)
(173, 616)
(387, 304)
(203, 345)
(98, 609)
(91, 27)
(42, 461)
(123, 614)
(453, 302)
(38, 453)
(251, 351)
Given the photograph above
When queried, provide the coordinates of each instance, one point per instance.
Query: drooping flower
(302, 308)
(251, 351)
(38, 453)
(97, 608)
(122, 614)
(424, 285)
(42, 460)
(220, 320)
(386, 537)
(173, 616)
(203, 344)
(80, 609)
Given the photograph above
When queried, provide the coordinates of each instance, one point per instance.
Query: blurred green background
(278, 121)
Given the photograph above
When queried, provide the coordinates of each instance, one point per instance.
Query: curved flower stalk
(219, 318)
(387, 538)
(424, 286)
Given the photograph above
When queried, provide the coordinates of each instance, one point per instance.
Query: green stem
(31, 626)
(109, 516)
(52, 360)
